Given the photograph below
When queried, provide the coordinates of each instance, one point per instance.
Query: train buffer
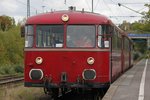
(133, 84)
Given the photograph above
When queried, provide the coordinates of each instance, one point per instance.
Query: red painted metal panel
(116, 63)
(74, 18)
(73, 63)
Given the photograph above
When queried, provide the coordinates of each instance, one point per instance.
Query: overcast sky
(18, 8)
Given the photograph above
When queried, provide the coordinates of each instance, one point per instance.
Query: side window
(103, 36)
(119, 40)
(81, 36)
(116, 40)
(29, 36)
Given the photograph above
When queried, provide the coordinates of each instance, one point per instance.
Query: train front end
(67, 50)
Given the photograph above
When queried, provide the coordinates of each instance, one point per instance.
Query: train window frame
(104, 34)
(48, 35)
(70, 43)
(29, 36)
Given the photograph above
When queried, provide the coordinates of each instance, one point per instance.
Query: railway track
(10, 79)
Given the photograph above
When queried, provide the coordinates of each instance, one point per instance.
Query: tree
(6, 23)
(125, 26)
(137, 27)
(146, 26)
(141, 26)
(147, 14)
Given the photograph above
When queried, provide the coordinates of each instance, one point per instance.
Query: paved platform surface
(133, 84)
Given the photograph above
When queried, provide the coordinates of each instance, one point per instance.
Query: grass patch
(21, 93)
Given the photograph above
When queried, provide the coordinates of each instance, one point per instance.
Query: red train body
(53, 61)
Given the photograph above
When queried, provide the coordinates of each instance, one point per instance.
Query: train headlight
(65, 17)
(39, 60)
(90, 60)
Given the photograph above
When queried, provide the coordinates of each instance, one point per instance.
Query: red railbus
(74, 50)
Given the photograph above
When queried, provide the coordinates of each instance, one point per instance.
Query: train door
(104, 43)
(116, 53)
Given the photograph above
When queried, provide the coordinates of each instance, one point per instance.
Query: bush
(147, 54)
(18, 69)
(11, 51)
(7, 69)
(10, 69)
(136, 56)
(11, 45)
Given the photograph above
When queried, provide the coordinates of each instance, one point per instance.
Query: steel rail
(11, 79)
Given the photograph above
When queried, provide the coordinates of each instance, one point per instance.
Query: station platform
(133, 84)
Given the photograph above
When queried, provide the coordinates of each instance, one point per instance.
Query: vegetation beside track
(22, 93)
(11, 51)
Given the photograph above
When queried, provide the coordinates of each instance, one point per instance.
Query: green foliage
(6, 23)
(11, 69)
(136, 56)
(141, 26)
(147, 14)
(145, 25)
(18, 69)
(147, 54)
(138, 27)
(11, 51)
(7, 69)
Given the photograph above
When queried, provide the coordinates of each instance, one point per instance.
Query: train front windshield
(81, 36)
(50, 35)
